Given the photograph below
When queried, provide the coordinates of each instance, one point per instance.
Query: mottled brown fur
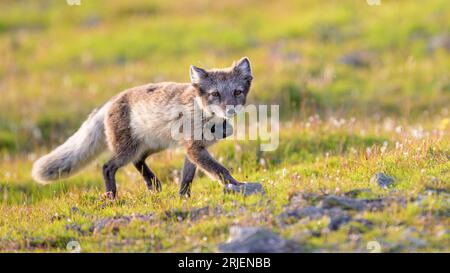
(118, 130)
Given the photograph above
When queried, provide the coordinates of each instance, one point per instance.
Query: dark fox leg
(150, 178)
(200, 156)
(109, 175)
(187, 176)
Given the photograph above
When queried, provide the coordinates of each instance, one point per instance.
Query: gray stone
(305, 207)
(439, 42)
(356, 192)
(75, 227)
(91, 21)
(346, 203)
(423, 200)
(366, 223)
(245, 188)
(382, 180)
(410, 236)
(338, 220)
(290, 216)
(118, 221)
(339, 217)
(303, 199)
(194, 214)
(256, 240)
(437, 191)
(311, 212)
(342, 202)
(359, 225)
(357, 59)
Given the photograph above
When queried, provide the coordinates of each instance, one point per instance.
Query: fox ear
(243, 67)
(197, 74)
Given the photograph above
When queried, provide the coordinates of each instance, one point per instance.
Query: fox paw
(110, 195)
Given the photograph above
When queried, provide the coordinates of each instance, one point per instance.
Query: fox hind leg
(109, 175)
(149, 177)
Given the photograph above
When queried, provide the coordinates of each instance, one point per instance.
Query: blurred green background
(362, 89)
(349, 58)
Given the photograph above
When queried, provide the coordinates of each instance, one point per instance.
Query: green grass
(340, 124)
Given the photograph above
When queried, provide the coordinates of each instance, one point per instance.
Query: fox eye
(237, 92)
(215, 94)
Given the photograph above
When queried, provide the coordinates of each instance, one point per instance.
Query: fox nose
(230, 112)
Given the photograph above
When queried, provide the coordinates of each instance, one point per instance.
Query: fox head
(223, 92)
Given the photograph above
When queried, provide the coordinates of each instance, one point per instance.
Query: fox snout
(233, 110)
(230, 112)
(226, 112)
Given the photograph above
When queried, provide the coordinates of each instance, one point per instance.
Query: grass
(340, 125)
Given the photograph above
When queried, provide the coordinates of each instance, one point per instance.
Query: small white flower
(262, 162)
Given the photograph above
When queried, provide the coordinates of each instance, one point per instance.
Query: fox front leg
(220, 130)
(187, 176)
(198, 154)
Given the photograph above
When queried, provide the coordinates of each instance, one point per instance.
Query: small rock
(434, 180)
(358, 59)
(246, 189)
(181, 215)
(305, 199)
(115, 222)
(342, 202)
(337, 217)
(74, 209)
(356, 192)
(256, 240)
(362, 226)
(351, 203)
(199, 213)
(364, 222)
(291, 216)
(75, 227)
(437, 191)
(338, 220)
(430, 195)
(417, 242)
(439, 42)
(410, 236)
(311, 207)
(91, 21)
(382, 180)
(311, 212)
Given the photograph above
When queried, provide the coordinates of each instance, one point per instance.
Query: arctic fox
(140, 121)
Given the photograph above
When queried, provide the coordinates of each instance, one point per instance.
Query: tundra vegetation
(364, 95)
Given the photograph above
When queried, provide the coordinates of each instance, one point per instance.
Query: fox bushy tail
(79, 150)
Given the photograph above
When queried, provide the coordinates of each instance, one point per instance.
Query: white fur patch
(152, 124)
